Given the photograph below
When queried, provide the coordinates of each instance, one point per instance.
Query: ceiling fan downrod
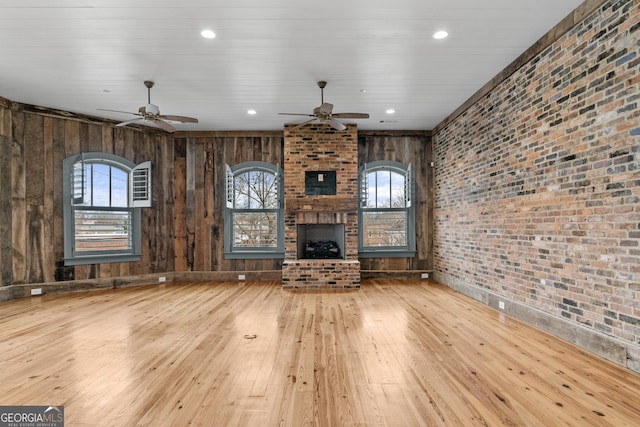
(149, 84)
(321, 85)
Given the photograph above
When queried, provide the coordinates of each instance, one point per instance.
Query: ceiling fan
(324, 113)
(151, 113)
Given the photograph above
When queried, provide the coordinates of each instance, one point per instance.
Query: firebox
(321, 241)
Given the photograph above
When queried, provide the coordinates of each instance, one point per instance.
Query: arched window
(103, 194)
(386, 217)
(254, 217)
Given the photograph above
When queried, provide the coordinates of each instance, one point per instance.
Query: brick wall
(538, 183)
(318, 147)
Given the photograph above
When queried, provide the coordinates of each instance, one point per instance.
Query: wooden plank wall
(34, 142)
(200, 158)
(184, 229)
(199, 187)
(414, 148)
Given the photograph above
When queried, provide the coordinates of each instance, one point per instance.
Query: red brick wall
(538, 183)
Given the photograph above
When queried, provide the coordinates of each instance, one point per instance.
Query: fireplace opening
(320, 241)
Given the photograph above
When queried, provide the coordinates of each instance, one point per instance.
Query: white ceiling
(82, 55)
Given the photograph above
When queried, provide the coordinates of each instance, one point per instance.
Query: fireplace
(320, 241)
(321, 207)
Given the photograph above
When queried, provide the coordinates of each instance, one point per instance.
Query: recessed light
(363, 91)
(208, 34)
(252, 112)
(438, 35)
(390, 111)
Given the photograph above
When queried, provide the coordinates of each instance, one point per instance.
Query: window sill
(101, 259)
(386, 254)
(253, 255)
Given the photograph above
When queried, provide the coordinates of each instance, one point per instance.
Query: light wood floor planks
(394, 353)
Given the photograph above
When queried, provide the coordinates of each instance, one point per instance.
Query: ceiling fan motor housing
(154, 110)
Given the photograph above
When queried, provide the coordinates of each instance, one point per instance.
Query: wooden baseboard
(52, 288)
(623, 353)
(395, 274)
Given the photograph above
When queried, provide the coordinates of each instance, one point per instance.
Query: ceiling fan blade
(182, 119)
(336, 124)
(306, 122)
(118, 111)
(351, 115)
(296, 114)
(128, 122)
(164, 125)
(326, 108)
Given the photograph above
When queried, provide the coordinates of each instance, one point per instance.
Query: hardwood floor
(394, 353)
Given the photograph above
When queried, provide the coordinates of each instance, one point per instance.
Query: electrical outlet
(501, 305)
(241, 276)
(162, 279)
(425, 275)
(36, 291)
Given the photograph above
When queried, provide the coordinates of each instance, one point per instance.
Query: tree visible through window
(254, 219)
(386, 211)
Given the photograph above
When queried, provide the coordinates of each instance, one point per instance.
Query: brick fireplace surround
(318, 147)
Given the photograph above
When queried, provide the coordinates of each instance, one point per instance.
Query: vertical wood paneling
(424, 208)
(180, 206)
(164, 189)
(208, 191)
(184, 229)
(18, 205)
(211, 153)
(414, 149)
(34, 197)
(47, 250)
(190, 202)
(209, 196)
(6, 218)
(201, 238)
(217, 233)
(32, 149)
(58, 155)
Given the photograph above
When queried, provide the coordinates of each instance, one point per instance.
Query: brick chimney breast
(315, 148)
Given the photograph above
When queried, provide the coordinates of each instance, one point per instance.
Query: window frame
(138, 195)
(234, 252)
(407, 250)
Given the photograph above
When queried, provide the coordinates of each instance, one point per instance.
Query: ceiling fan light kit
(151, 113)
(324, 113)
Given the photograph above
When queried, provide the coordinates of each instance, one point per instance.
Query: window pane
(101, 183)
(106, 186)
(255, 229)
(102, 231)
(256, 190)
(385, 189)
(397, 190)
(384, 228)
(119, 188)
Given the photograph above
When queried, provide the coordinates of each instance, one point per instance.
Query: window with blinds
(102, 216)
